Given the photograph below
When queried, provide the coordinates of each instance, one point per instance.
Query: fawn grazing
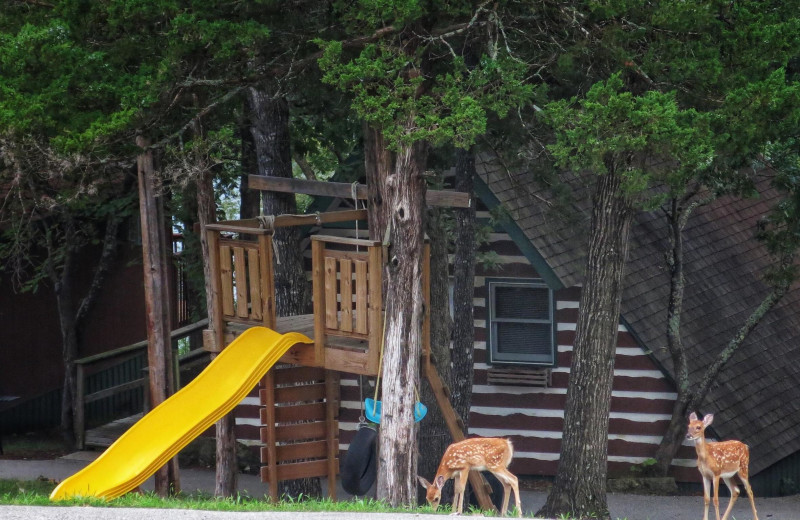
(477, 454)
(717, 460)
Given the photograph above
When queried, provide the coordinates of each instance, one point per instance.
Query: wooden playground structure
(300, 396)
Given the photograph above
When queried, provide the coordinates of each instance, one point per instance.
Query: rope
(266, 222)
(380, 367)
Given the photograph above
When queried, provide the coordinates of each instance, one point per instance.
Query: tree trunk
(250, 206)
(157, 301)
(579, 489)
(434, 437)
(69, 336)
(405, 199)
(378, 164)
(464, 290)
(673, 437)
(270, 130)
(690, 399)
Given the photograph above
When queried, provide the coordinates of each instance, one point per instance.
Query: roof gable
(757, 395)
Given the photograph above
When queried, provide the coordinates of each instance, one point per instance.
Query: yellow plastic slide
(164, 431)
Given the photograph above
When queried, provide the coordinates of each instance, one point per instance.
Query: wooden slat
(298, 374)
(454, 199)
(361, 298)
(331, 316)
(301, 393)
(456, 426)
(226, 276)
(316, 468)
(318, 279)
(302, 451)
(296, 432)
(516, 376)
(253, 226)
(300, 412)
(254, 281)
(345, 255)
(332, 427)
(375, 312)
(269, 473)
(346, 294)
(267, 280)
(108, 392)
(359, 242)
(240, 277)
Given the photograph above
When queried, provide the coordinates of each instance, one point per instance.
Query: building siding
(532, 417)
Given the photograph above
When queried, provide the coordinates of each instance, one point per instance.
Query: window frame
(495, 358)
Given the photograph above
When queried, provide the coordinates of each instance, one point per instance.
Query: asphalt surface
(622, 506)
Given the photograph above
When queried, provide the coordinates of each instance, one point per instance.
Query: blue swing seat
(372, 410)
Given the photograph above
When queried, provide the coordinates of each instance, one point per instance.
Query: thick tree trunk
(579, 489)
(464, 290)
(434, 437)
(270, 130)
(378, 164)
(405, 197)
(157, 301)
(250, 206)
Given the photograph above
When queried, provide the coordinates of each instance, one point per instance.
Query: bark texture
(269, 118)
(690, 398)
(157, 301)
(579, 490)
(434, 437)
(464, 290)
(405, 199)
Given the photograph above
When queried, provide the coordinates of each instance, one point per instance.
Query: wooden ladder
(300, 429)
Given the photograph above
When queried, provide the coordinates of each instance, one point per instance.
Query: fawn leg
(706, 496)
(460, 483)
(749, 490)
(716, 495)
(734, 495)
(509, 480)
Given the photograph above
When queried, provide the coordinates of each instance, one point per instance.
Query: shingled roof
(757, 395)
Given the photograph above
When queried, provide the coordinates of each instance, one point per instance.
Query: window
(521, 324)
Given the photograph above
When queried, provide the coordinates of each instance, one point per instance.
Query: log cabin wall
(531, 415)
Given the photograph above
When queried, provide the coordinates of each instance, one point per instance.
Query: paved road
(623, 506)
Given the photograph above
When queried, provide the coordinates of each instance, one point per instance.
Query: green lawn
(36, 493)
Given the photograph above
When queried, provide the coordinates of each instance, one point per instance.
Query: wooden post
(331, 428)
(268, 437)
(157, 298)
(318, 263)
(80, 407)
(456, 425)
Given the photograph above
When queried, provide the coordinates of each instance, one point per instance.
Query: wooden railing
(347, 284)
(83, 364)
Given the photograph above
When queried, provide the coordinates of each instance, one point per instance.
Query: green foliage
(780, 229)
(647, 138)
(399, 86)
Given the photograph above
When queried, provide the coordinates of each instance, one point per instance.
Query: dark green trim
(518, 236)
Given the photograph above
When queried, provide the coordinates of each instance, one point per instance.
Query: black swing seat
(360, 468)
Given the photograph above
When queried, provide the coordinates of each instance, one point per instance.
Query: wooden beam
(455, 199)
(454, 423)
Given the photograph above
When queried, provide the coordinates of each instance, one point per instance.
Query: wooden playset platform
(300, 397)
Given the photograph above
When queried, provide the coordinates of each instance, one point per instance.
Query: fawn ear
(692, 416)
(424, 482)
(708, 419)
(440, 481)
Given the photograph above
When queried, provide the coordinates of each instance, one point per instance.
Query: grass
(37, 492)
